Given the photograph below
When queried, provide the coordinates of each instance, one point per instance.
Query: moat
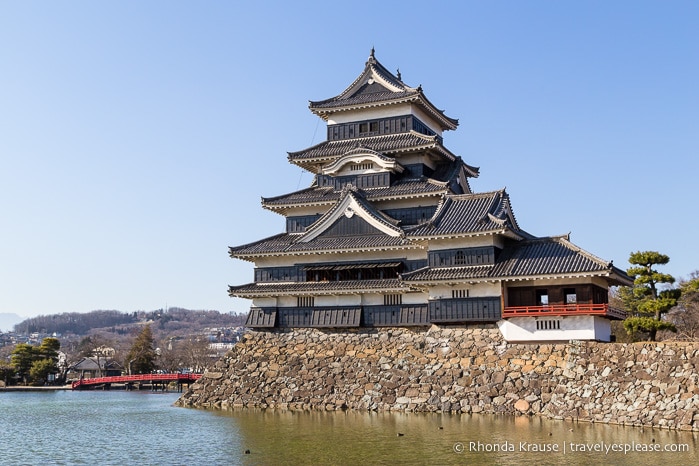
(118, 427)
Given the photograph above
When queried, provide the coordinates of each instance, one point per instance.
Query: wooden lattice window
(392, 299)
(305, 301)
(548, 324)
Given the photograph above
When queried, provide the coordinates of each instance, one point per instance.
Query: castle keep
(390, 234)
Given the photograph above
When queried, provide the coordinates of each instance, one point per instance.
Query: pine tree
(645, 301)
(141, 357)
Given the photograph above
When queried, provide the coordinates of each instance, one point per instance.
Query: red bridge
(134, 379)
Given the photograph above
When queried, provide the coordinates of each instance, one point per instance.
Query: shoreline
(29, 388)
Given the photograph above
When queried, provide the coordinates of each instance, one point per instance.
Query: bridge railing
(176, 377)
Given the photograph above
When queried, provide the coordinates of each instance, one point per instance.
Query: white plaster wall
(264, 302)
(349, 116)
(415, 298)
(572, 328)
(408, 159)
(372, 299)
(287, 301)
(338, 300)
(478, 289)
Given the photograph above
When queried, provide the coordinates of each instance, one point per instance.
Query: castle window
(459, 293)
(305, 301)
(374, 126)
(361, 166)
(542, 297)
(459, 258)
(363, 128)
(570, 296)
(392, 299)
(548, 324)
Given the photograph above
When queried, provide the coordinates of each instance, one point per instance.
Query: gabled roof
(376, 86)
(387, 144)
(388, 234)
(352, 203)
(530, 259)
(470, 214)
(90, 364)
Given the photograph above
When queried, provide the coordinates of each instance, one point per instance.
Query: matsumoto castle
(390, 234)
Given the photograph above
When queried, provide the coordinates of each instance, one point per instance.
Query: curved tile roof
(539, 257)
(384, 143)
(469, 213)
(549, 256)
(431, 274)
(346, 286)
(287, 244)
(413, 187)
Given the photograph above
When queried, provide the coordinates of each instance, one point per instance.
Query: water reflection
(286, 437)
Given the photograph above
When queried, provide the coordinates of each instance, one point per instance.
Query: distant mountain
(174, 321)
(8, 321)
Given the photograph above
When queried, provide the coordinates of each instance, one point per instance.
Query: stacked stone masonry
(457, 370)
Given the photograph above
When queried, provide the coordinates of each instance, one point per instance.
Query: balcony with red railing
(604, 310)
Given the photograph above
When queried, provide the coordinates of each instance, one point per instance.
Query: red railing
(564, 310)
(136, 378)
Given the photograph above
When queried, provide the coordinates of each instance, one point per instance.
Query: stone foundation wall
(459, 370)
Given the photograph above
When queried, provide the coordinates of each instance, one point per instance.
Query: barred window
(548, 324)
(362, 166)
(305, 301)
(459, 293)
(392, 299)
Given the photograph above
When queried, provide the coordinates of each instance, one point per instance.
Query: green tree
(40, 370)
(141, 357)
(645, 301)
(23, 356)
(33, 364)
(7, 370)
(49, 348)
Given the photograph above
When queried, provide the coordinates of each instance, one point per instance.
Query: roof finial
(398, 74)
(372, 52)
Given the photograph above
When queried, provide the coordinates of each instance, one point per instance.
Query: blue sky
(136, 138)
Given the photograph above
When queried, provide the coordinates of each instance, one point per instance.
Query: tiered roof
(388, 144)
(459, 212)
(375, 87)
(435, 186)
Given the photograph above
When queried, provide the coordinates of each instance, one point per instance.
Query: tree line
(47, 364)
(173, 320)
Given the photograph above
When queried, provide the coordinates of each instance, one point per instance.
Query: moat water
(117, 428)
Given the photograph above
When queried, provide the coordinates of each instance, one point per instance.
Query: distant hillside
(173, 321)
(8, 321)
(74, 322)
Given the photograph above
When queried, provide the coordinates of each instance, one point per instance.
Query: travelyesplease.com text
(568, 447)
